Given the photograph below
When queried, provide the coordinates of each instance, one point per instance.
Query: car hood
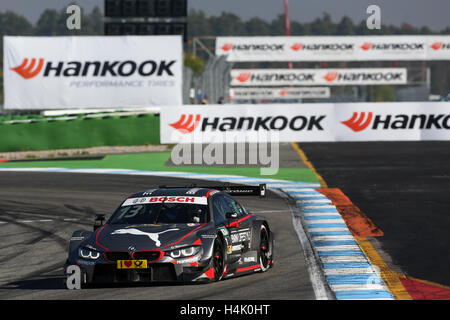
(146, 237)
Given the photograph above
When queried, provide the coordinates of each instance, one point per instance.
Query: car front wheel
(218, 262)
(265, 249)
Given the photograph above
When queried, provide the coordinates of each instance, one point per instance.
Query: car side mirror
(99, 220)
(231, 215)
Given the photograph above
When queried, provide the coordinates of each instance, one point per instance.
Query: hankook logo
(125, 68)
(363, 76)
(227, 47)
(392, 46)
(323, 47)
(243, 77)
(262, 47)
(367, 46)
(283, 93)
(440, 46)
(29, 70)
(186, 124)
(359, 123)
(297, 46)
(331, 76)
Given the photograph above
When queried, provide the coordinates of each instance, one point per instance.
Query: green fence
(80, 132)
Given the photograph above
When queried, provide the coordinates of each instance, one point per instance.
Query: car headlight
(184, 252)
(88, 254)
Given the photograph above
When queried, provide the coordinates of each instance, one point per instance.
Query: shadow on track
(53, 283)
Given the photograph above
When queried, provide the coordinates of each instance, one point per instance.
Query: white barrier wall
(396, 121)
(335, 48)
(92, 72)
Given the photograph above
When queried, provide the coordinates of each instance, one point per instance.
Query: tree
(383, 93)
(425, 30)
(323, 26)
(408, 29)
(198, 24)
(300, 29)
(11, 24)
(14, 24)
(96, 21)
(48, 23)
(440, 77)
(1, 82)
(257, 26)
(345, 27)
(446, 31)
(278, 26)
(196, 64)
(227, 24)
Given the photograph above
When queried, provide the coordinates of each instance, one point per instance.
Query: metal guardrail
(214, 82)
(86, 115)
(90, 111)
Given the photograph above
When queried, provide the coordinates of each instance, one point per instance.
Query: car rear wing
(243, 190)
(234, 190)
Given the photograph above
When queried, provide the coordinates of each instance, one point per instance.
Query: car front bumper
(103, 273)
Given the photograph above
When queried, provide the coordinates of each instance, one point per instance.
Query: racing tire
(265, 249)
(218, 259)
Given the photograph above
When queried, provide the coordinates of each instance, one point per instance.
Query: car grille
(157, 272)
(148, 255)
(117, 255)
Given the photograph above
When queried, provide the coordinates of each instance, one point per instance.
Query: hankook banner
(314, 77)
(92, 71)
(390, 121)
(334, 48)
(280, 93)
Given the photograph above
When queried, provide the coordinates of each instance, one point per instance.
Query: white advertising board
(335, 48)
(390, 121)
(245, 93)
(92, 72)
(315, 77)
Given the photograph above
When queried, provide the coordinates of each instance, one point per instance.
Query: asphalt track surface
(288, 156)
(41, 210)
(404, 188)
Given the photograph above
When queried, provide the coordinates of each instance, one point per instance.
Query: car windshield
(155, 213)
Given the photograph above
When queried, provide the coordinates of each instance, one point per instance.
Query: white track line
(355, 287)
(302, 202)
(319, 229)
(339, 248)
(312, 206)
(333, 237)
(312, 214)
(314, 269)
(325, 221)
(352, 271)
(343, 259)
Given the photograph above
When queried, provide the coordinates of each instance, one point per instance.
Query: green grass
(155, 162)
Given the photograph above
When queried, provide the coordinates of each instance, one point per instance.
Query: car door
(240, 228)
(219, 208)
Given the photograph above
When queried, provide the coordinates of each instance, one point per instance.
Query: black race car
(175, 234)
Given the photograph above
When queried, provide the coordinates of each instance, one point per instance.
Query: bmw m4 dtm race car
(169, 234)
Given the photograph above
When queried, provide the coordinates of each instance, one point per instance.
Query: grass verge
(156, 162)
